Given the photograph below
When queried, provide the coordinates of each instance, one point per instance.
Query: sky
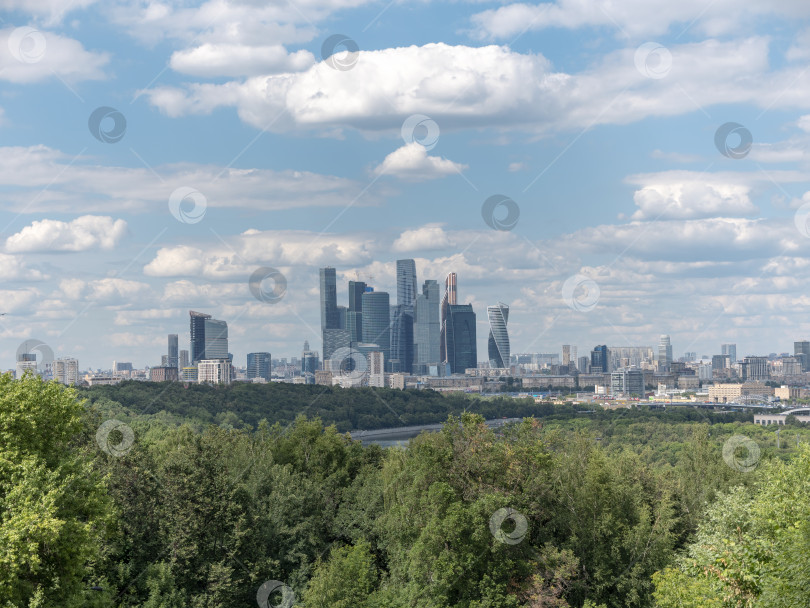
(612, 170)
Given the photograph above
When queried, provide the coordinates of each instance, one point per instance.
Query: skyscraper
(197, 335)
(216, 339)
(801, 350)
(600, 360)
(664, 354)
(448, 299)
(377, 321)
(498, 343)
(731, 351)
(173, 359)
(461, 347)
(309, 361)
(402, 316)
(406, 282)
(354, 314)
(566, 354)
(334, 336)
(183, 359)
(258, 366)
(427, 327)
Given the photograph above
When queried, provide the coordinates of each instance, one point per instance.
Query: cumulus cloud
(14, 267)
(680, 195)
(412, 162)
(234, 60)
(425, 238)
(51, 11)
(492, 86)
(82, 234)
(29, 55)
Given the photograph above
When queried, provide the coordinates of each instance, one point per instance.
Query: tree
(54, 509)
(345, 580)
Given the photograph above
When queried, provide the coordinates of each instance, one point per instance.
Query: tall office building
(197, 335)
(664, 354)
(401, 339)
(183, 359)
(461, 347)
(600, 360)
(755, 369)
(801, 350)
(627, 382)
(377, 321)
(258, 366)
(309, 361)
(216, 339)
(406, 282)
(731, 351)
(448, 299)
(566, 354)
(334, 336)
(354, 314)
(498, 343)
(427, 327)
(173, 357)
(402, 318)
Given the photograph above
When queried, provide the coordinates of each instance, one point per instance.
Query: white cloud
(82, 234)
(425, 238)
(412, 162)
(208, 60)
(47, 55)
(112, 291)
(14, 267)
(686, 195)
(634, 18)
(51, 11)
(37, 179)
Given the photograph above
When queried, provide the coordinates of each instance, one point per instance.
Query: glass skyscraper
(427, 327)
(334, 333)
(600, 360)
(377, 321)
(209, 337)
(173, 351)
(498, 344)
(354, 314)
(402, 318)
(197, 331)
(406, 282)
(448, 299)
(664, 354)
(258, 365)
(461, 346)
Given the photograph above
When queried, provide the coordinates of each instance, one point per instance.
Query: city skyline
(154, 161)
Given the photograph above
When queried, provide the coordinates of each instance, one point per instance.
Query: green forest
(167, 496)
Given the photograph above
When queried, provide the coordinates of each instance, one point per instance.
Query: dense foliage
(568, 508)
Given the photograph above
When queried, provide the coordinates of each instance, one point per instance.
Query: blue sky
(598, 119)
